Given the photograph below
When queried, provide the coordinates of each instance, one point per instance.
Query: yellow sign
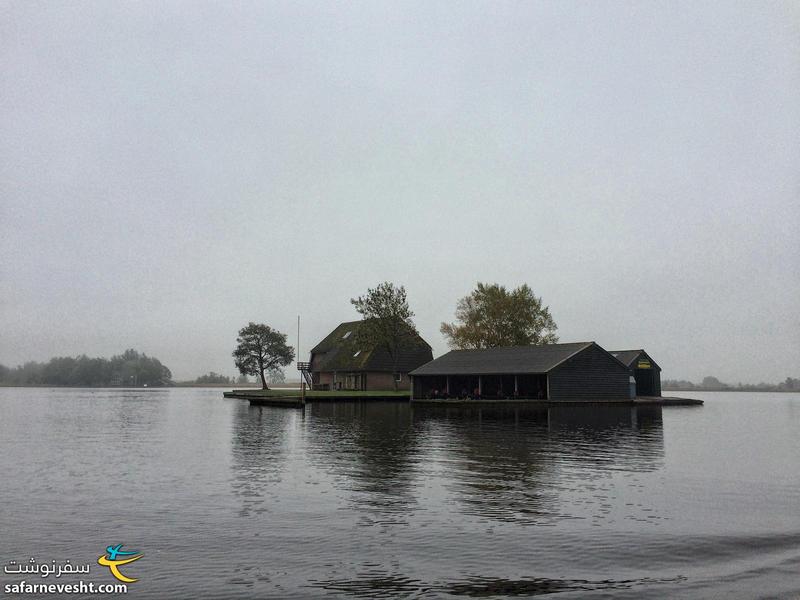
(644, 364)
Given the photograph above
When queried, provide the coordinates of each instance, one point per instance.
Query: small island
(504, 351)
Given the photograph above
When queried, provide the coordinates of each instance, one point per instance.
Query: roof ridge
(521, 346)
(506, 359)
(583, 347)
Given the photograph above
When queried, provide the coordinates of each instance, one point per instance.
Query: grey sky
(170, 171)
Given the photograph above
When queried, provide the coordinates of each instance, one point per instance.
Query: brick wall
(375, 381)
(385, 381)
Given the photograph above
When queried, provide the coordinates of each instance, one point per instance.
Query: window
(398, 377)
(346, 335)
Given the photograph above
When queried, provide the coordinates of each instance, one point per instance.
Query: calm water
(382, 500)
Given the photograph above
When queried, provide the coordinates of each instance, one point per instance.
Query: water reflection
(613, 438)
(393, 586)
(529, 466)
(533, 466)
(447, 500)
(259, 450)
(495, 461)
(371, 451)
(496, 467)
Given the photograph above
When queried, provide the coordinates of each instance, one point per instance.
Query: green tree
(790, 384)
(711, 382)
(492, 316)
(212, 378)
(134, 368)
(386, 321)
(259, 349)
(130, 368)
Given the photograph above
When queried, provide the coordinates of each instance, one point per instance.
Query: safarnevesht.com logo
(114, 558)
(113, 563)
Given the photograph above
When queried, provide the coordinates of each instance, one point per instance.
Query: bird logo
(111, 560)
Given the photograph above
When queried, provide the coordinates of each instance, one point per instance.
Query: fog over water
(169, 172)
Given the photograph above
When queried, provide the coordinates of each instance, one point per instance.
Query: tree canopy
(213, 378)
(493, 316)
(126, 369)
(259, 349)
(711, 383)
(386, 320)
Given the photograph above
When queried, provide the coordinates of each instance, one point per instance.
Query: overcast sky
(171, 171)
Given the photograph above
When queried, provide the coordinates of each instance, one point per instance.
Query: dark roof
(628, 357)
(506, 359)
(343, 352)
(334, 338)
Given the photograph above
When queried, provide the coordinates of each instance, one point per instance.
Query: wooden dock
(638, 401)
(485, 402)
(296, 401)
(666, 401)
(284, 401)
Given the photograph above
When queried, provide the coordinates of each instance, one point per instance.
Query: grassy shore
(289, 392)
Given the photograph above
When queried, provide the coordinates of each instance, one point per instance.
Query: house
(340, 362)
(643, 368)
(577, 371)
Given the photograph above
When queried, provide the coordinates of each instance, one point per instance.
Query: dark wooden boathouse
(643, 368)
(578, 371)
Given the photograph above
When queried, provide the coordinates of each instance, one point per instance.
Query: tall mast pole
(302, 374)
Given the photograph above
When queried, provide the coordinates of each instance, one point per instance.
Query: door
(645, 384)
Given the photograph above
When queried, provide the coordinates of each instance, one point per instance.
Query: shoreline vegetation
(131, 368)
(752, 391)
(712, 384)
(297, 392)
(190, 384)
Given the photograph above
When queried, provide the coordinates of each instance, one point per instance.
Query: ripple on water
(389, 500)
(392, 586)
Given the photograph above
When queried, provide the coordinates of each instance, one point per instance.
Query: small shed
(576, 371)
(643, 368)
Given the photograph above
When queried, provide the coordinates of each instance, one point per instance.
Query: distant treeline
(215, 378)
(713, 384)
(212, 378)
(130, 368)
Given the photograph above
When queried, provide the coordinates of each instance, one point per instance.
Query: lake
(387, 500)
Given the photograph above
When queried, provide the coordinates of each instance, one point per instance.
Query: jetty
(533, 402)
(294, 398)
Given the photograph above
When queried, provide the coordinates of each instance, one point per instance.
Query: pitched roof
(627, 357)
(342, 351)
(505, 359)
(334, 338)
